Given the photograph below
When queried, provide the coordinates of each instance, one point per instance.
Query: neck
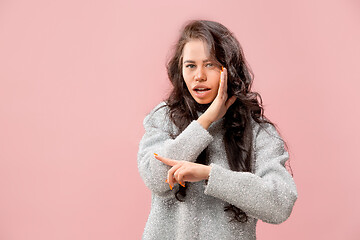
(202, 107)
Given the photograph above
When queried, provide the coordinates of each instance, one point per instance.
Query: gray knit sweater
(268, 194)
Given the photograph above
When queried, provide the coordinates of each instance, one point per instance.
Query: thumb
(230, 101)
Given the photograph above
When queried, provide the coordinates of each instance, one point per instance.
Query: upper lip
(200, 86)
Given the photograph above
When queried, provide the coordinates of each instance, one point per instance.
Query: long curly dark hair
(226, 49)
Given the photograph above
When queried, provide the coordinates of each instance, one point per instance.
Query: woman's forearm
(204, 122)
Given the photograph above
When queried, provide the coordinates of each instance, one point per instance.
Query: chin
(207, 100)
(203, 101)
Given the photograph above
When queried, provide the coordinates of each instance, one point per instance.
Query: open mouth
(201, 90)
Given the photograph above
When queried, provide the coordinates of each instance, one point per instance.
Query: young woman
(213, 162)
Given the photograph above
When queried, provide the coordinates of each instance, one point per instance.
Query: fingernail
(222, 68)
(170, 187)
(182, 184)
(166, 181)
(155, 154)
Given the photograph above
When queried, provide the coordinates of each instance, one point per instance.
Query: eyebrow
(191, 61)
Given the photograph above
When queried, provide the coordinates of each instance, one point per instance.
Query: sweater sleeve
(186, 146)
(269, 193)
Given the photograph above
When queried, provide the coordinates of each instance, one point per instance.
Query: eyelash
(194, 65)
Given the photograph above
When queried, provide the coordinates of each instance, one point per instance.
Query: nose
(200, 75)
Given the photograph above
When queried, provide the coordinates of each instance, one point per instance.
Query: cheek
(183, 73)
(186, 81)
(216, 80)
(186, 77)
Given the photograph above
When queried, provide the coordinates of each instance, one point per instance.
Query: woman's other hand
(220, 105)
(182, 171)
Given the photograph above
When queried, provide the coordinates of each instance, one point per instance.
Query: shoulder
(158, 116)
(159, 112)
(265, 131)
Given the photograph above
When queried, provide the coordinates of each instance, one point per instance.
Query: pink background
(77, 79)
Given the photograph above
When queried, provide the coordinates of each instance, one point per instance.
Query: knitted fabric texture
(268, 194)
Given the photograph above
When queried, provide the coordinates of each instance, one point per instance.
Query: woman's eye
(192, 65)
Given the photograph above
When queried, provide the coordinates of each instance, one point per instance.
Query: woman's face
(201, 74)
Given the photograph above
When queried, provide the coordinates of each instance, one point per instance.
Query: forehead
(195, 50)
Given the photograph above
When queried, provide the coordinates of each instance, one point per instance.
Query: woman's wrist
(204, 122)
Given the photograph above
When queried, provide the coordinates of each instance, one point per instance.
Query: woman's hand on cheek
(221, 103)
(184, 171)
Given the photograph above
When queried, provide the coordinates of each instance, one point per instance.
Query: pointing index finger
(167, 161)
